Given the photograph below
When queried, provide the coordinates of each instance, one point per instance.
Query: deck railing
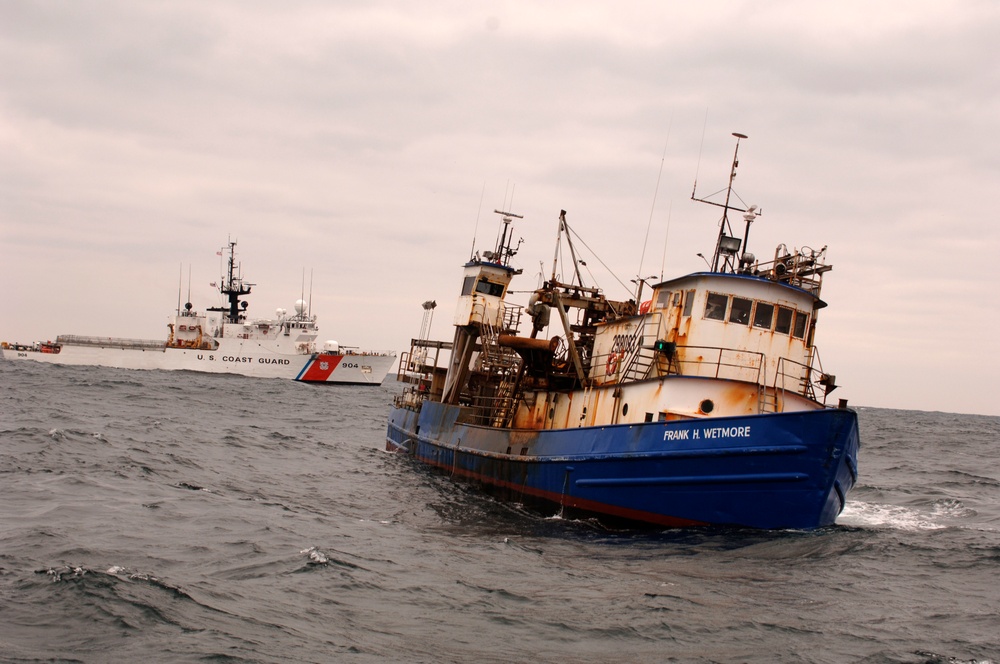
(800, 378)
(720, 362)
(110, 342)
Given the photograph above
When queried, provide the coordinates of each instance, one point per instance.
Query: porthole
(706, 406)
(625, 409)
(552, 413)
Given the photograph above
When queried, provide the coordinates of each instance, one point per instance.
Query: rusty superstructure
(715, 368)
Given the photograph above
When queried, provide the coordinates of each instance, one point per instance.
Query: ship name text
(707, 432)
(245, 360)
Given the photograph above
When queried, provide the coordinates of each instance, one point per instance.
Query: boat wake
(873, 515)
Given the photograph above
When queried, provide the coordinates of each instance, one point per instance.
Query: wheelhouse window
(689, 303)
(467, 285)
(784, 322)
(763, 314)
(715, 306)
(663, 299)
(799, 331)
(489, 288)
(744, 311)
(740, 311)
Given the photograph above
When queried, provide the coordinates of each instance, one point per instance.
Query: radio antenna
(475, 232)
(697, 169)
(670, 209)
(642, 257)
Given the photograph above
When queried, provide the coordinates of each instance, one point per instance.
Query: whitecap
(950, 507)
(65, 572)
(316, 555)
(885, 516)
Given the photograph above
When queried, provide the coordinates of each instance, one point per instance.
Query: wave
(874, 515)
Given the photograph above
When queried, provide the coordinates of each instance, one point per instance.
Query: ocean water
(179, 517)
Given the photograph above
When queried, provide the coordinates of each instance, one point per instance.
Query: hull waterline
(771, 471)
(248, 359)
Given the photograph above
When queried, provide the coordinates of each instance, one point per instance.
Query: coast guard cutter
(224, 339)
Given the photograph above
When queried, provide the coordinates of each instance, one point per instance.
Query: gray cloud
(356, 141)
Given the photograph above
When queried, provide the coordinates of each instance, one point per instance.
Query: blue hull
(783, 470)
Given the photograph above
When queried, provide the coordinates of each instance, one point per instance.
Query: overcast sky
(367, 144)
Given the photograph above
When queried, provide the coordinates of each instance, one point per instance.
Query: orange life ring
(611, 367)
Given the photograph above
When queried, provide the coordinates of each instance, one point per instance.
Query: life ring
(611, 367)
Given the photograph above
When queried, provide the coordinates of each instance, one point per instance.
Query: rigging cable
(594, 254)
(642, 257)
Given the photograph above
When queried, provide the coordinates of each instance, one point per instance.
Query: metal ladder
(503, 363)
(644, 357)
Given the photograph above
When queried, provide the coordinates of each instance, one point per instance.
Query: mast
(555, 257)
(233, 287)
(564, 226)
(726, 245)
(503, 253)
(725, 210)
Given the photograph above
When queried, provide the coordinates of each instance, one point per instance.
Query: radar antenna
(503, 251)
(727, 246)
(233, 287)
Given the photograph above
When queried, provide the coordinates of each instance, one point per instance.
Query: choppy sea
(181, 517)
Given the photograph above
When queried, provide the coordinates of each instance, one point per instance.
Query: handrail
(803, 375)
(490, 411)
(726, 359)
(627, 362)
(111, 342)
(729, 363)
(635, 344)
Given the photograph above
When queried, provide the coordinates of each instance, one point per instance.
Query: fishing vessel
(224, 339)
(704, 404)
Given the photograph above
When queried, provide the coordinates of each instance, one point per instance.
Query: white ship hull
(224, 340)
(233, 356)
